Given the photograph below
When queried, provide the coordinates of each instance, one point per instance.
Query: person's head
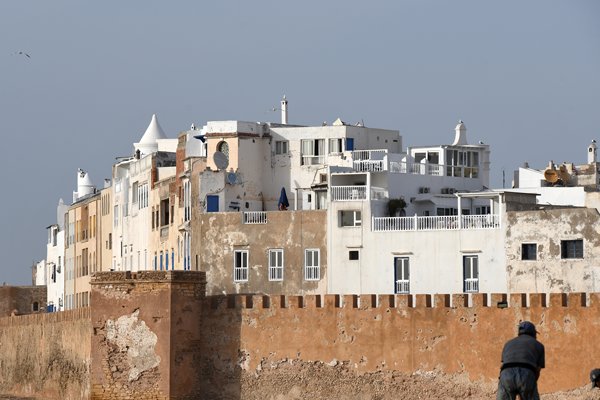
(595, 378)
(527, 328)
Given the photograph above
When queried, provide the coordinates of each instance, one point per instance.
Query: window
(471, 273)
(571, 248)
(223, 147)
(240, 266)
(353, 255)
(401, 275)
(350, 218)
(116, 215)
(281, 147)
(529, 251)
(313, 151)
(336, 145)
(462, 163)
(142, 196)
(134, 193)
(276, 264)
(164, 212)
(187, 201)
(312, 268)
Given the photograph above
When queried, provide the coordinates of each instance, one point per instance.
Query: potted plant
(396, 206)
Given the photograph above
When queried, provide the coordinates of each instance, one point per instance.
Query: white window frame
(276, 264)
(402, 283)
(281, 147)
(240, 266)
(312, 264)
(471, 273)
(336, 145)
(356, 218)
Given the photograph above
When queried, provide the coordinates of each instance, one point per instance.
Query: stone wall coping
(417, 301)
(117, 277)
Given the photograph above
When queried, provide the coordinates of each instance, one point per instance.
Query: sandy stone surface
(296, 380)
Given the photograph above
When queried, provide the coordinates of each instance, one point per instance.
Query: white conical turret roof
(147, 143)
(153, 132)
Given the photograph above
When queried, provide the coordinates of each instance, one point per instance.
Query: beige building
(83, 249)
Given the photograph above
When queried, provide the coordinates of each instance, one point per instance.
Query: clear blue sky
(523, 75)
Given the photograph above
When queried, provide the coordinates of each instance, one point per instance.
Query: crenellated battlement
(407, 301)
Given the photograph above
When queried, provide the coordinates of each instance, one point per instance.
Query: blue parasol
(283, 200)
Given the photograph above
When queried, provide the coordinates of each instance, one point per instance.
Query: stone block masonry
(453, 334)
(145, 327)
(155, 335)
(46, 355)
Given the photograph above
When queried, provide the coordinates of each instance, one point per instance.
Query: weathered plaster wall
(20, 299)
(245, 334)
(46, 355)
(145, 330)
(218, 235)
(549, 272)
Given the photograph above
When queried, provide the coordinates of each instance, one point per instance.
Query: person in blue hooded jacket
(522, 360)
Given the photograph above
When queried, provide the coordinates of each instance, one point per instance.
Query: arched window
(223, 147)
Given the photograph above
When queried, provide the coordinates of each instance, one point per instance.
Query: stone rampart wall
(46, 355)
(453, 334)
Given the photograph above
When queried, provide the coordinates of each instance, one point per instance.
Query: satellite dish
(220, 160)
(550, 175)
(232, 178)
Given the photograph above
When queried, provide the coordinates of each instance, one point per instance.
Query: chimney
(460, 136)
(284, 115)
(592, 150)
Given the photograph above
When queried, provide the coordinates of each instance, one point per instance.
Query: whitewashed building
(55, 260)
(137, 211)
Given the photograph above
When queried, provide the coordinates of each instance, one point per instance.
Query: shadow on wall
(221, 358)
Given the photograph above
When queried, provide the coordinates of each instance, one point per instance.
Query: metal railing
(403, 286)
(402, 167)
(348, 193)
(369, 165)
(254, 217)
(437, 223)
(472, 285)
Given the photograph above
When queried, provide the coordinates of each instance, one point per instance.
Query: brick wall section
(46, 355)
(20, 299)
(145, 329)
(402, 333)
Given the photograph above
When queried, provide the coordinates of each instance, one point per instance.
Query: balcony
(439, 223)
(369, 160)
(164, 232)
(472, 285)
(254, 217)
(403, 286)
(348, 193)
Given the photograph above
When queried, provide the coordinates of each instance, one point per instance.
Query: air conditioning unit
(451, 190)
(423, 190)
(445, 190)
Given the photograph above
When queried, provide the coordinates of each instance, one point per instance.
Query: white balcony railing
(369, 165)
(439, 223)
(348, 193)
(369, 160)
(472, 285)
(403, 286)
(401, 167)
(254, 217)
